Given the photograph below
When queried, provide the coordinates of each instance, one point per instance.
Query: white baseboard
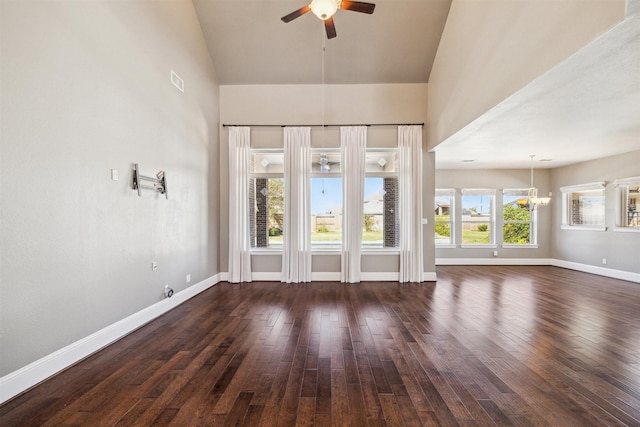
(429, 276)
(334, 276)
(600, 271)
(34, 373)
(586, 268)
(493, 261)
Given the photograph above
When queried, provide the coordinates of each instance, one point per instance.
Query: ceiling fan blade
(296, 14)
(330, 27)
(358, 6)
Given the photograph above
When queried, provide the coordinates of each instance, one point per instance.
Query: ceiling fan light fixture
(324, 9)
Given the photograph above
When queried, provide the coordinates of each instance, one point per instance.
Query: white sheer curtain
(353, 146)
(410, 174)
(239, 237)
(296, 252)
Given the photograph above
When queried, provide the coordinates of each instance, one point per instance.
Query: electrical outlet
(604, 261)
(154, 266)
(188, 278)
(495, 253)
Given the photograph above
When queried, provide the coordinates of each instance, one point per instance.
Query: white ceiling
(585, 108)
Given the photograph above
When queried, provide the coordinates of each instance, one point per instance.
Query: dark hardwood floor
(525, 346)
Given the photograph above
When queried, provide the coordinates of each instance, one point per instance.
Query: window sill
(479, 246)
(446, 246)
(381, 251)
(326, 251)
(266, 251)
(586, 228)
(278, 251)
(522, 246)
(627, 229)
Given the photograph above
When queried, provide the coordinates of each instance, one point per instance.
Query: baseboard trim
(600, 271)
(34, 373)
(334, 276)
(493, 261)
(585, 268)
(429, 276)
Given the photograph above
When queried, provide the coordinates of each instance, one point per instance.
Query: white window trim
(332, 174)
(451, 192)
(566, 191)
(492, 219)
(627, 182)
(622, 188)
(381, 174)
(592, 186)
(266, 175)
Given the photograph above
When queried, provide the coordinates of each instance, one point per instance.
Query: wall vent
(177, 81)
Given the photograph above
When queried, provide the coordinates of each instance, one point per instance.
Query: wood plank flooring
(485, 345)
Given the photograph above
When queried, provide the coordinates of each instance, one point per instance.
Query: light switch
(114, 174)
(425, 221)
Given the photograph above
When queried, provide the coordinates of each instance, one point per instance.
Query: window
(583, 206)
(381, 222)
(518, 219)
(444, 217)
(627, 204)
(326, 200)
(266, 198)
(478, 219)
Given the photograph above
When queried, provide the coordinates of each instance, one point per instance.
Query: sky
(332, 196)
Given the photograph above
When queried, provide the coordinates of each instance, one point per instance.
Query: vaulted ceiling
(249, 43)
(585, 108)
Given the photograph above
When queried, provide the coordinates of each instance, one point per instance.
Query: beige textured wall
(490, 49)
(86, 89)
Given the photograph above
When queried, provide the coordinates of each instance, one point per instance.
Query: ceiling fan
(325, 9)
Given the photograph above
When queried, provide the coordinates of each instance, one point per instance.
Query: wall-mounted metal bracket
(159, 184)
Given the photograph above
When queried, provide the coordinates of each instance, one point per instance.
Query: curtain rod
(326, 126)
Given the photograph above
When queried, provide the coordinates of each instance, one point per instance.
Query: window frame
(382, 174)
(446, 192)
(567, 192)
(490, 192)
(533, 219)
(335, 174)
(622, 205)
(268, 176)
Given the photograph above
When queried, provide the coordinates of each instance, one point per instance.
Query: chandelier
(533, 201)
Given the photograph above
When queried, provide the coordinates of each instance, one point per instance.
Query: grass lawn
(474, 236)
